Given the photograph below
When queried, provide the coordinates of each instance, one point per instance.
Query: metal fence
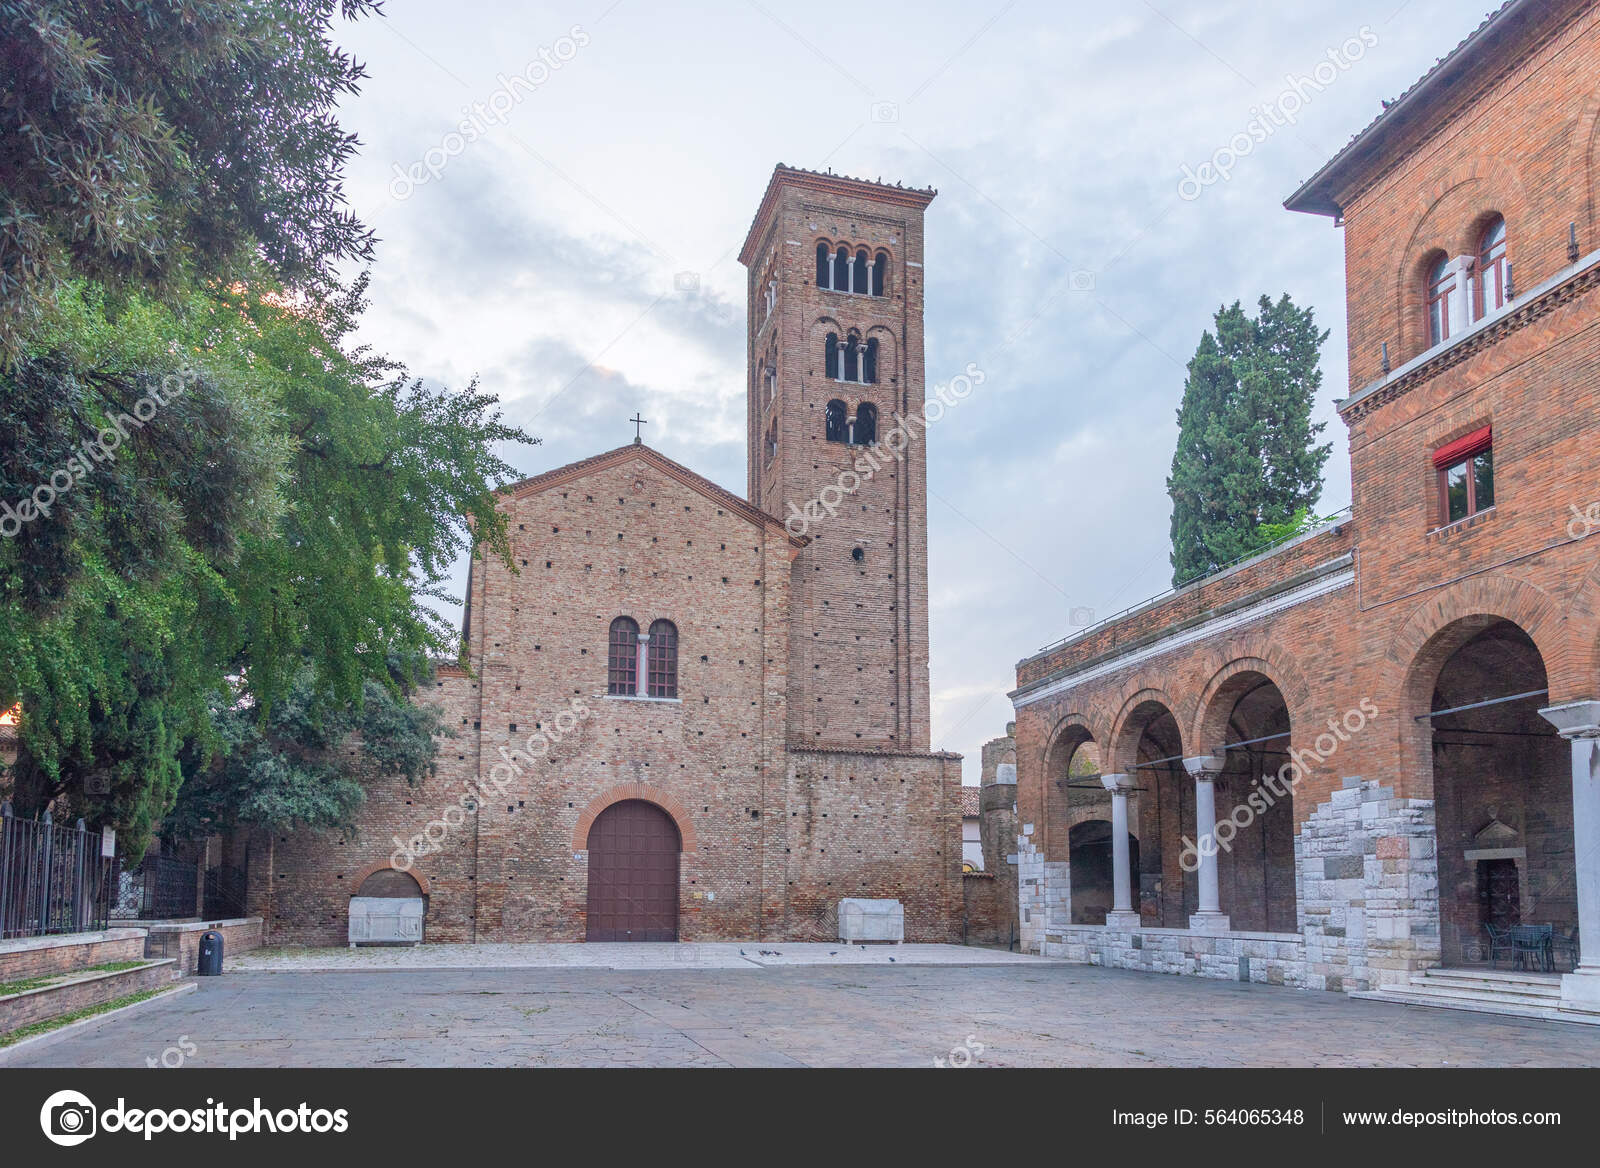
(162, 888)
(52, 879)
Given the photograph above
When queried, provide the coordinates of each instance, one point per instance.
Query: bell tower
(836, 449)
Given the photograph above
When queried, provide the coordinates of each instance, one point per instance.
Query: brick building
(686, 717)
(1363, 760)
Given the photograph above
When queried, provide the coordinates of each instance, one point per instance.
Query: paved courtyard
(798, 1007)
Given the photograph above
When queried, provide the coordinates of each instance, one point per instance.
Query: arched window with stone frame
(824, 265)
(662, 660)
(622, 667)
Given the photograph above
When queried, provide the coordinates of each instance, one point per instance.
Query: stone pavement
(995, 1014)
(621, 955)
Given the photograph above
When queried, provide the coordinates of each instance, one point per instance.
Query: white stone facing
(385, 919)
(1366, 889)
(861, 919)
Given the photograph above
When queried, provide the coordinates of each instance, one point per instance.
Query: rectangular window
(1465, 469)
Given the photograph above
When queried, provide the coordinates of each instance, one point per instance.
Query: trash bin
(210, 963)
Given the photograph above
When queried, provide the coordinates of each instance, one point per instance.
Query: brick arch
(1438, 627)
(1257, 655)
(1074, 728)
(1449, 218)
(361, 875)
(645, 791)
(1117, 755)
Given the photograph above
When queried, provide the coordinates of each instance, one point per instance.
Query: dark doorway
(1499, 893)
(1093, 886)
(633, 874)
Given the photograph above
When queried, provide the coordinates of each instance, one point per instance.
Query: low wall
(1269, 958)
(22, 1009)
(42, 956)
(180, 940)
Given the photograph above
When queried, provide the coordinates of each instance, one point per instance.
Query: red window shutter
(1465, 447)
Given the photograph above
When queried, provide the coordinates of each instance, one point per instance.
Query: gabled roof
(1416, 111)
(640, 452)
(830, 184)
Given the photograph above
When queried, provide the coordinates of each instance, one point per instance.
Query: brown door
(633, 874)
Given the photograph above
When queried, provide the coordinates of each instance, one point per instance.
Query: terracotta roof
(828, 183)
(1375, 145)
(969, 802)
(585, 466)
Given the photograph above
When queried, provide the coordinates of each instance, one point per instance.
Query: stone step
(1504, 1004)
(1426, 989)
(1545, 985)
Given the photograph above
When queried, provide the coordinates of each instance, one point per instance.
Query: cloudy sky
(1062, 256)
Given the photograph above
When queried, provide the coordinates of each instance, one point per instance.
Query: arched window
(1441, 292)
(860, 281)
(852, 360)
(880, 267)
(831, 355)
(841, 269)
(1492, 268)
(824, 266)
(662, 681)
(623, 667)
(865, 432)
(835, 415)
(869, 362)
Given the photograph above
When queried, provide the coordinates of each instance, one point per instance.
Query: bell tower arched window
(864, 432)
(837, 428)
(880, 268)
(824, 266)
(830, 350)
(851, 368)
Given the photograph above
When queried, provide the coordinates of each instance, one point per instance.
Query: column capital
(1117, 784)
(1205, 766)
(1574, 719)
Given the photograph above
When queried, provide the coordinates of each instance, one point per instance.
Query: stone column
(1123, 915)
(1579, 724)
(1205, 768)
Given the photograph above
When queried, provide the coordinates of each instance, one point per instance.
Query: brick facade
(1332, 653)
(794, 760)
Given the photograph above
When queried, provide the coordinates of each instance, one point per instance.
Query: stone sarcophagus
(871, 920)
(386, 919)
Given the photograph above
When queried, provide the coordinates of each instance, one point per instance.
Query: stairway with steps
(1518, 994)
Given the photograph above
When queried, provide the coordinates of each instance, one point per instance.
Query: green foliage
(1246, 458)
(141, 140)
(302, 764)
(300, 505)
(221, 589)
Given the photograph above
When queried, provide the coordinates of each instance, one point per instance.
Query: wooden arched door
(633, 874)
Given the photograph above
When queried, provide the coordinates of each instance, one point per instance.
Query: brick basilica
(1369, 760)
(684, 718)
